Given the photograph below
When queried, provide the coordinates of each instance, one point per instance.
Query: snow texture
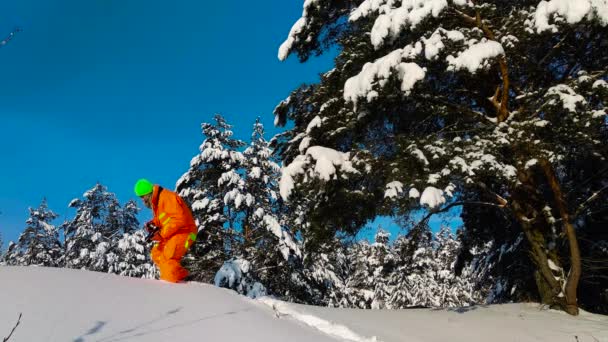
(393, 189)
(335, 330)
(394, 20)
(361, 85)
(296, 29)
(326, 163)
(58, 305)
(567, 96)
(432, 197)
(573, 11)
(476, 56)
(72, 305)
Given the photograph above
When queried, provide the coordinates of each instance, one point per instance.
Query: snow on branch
(327, 162)
(567, 96)
(476, 57)
(378, 72)
(393, 20)
(573, 11)
(296, 29)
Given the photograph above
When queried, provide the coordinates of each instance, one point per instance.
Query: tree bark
(571, 305)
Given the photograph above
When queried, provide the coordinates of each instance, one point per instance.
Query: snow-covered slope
(71, 305)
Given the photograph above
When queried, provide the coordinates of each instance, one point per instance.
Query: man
(177, 229)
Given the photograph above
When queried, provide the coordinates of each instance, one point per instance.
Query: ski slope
(72, 305)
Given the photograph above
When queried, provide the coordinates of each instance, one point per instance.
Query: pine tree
(206, 186)
(268, 245)
(131, 258)
(39, 243)
(442, 96)
(93, 232)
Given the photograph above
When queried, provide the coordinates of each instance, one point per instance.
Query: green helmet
(143, 187)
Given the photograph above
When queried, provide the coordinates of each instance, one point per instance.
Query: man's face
(147, 199)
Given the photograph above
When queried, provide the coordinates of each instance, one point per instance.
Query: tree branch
(12, 331)
(9, 37)
(455, 204)
(589, 200)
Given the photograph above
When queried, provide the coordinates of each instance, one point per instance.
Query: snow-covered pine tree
(131, 258)
(413, 281)
(11, 256)
(367, 287)
(212, 175)
(39, 243)
(130, 223)
(267, 244)
(358, 291)
(94, 231)
(441, 95)
(454, 290)
(324, 277)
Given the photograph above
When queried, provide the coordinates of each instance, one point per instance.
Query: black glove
(150, 227)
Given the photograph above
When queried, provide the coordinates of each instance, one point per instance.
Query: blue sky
(110, 91)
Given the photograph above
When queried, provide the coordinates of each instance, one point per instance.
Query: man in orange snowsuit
(177, 229)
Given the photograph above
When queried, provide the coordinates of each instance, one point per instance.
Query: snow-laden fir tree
(413, 282)
(454, 290)
(207, 187)
(320, 278)
(92, 234)
(130, 257)
(39, 244)
(270, 246)
(367, 287)
(441, 96)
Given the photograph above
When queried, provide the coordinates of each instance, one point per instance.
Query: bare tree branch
(9, 37)
(15, 327)
(455, 204)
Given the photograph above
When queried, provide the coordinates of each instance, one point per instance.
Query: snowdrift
(72, 305)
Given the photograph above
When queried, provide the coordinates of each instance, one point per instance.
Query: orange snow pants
(167, 256)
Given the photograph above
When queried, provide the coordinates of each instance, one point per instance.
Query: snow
(296, 29)
(359, 86)
(326, 163)
(553, 266)
(411, 13)
(600, 84)
(530, 163)
(72, 305)
(287, 244)
(567, 96)
(414, 193)
(497, 323)
(572, 10)
(432, 197)
(286, 183)
(327, 159)
(434, 44)
(393, 189)
(336, 330)
(61, 305)
(474, 57)
(316, 122)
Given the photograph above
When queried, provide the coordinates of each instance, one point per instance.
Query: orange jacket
(171, 214)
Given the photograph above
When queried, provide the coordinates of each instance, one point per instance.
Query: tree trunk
(527, 205)
(571, 305)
